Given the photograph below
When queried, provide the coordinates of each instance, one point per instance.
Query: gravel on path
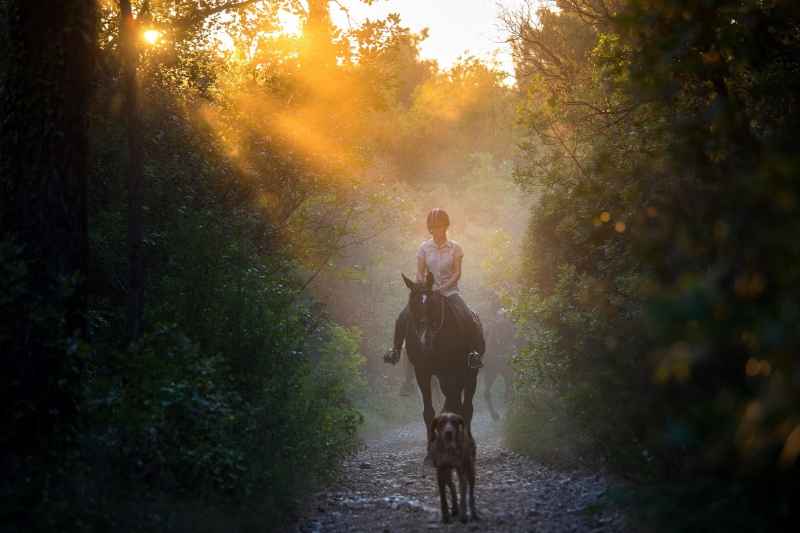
(386, 488)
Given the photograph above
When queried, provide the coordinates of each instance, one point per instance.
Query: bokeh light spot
(752, 367)
(791, 449)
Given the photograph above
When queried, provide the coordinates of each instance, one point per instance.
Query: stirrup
(474, 359)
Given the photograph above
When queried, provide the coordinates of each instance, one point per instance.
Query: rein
(434, 330)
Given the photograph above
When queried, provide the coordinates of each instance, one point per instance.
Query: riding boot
(393, 356)
(477, 342)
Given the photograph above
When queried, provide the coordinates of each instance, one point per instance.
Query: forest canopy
(205, 217)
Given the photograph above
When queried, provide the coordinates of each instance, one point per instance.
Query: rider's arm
(422, 268)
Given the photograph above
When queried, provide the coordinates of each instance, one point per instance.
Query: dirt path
(386, 488)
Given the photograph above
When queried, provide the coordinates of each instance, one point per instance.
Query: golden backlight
(151, 36)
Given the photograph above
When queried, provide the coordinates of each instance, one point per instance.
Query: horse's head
(426, 309)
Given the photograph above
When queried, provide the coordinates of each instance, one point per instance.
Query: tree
(129, 37)
(661, 253)
(45, 159)
(130, 62)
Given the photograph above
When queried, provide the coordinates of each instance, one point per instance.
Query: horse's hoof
(464, 518)
(474, 360)
(476, 517)
(445, 518)
(391, 357)
(428, 461)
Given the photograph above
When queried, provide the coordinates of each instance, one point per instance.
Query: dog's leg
(442, 475)
(462, 488)
(471, 478)
(453, 494)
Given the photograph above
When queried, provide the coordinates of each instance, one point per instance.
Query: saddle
(470, 326)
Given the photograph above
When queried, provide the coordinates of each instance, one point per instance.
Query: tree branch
(346, 12)
(200, 16)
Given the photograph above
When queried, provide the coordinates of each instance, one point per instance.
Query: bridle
(434, 329)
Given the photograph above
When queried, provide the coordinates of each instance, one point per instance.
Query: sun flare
(151, 36)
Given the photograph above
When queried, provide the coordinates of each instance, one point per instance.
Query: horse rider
(442, 257)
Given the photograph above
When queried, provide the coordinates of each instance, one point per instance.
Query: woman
(442, 258)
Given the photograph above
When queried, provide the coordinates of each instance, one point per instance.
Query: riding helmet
(438, 217)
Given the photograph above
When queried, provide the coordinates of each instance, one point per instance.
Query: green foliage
(272, 174)
(245, 403)
(240, 397)
(660, 264)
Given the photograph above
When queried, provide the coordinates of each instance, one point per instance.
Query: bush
(661, 268)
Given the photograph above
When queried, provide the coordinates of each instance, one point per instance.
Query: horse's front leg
(470, 386)
(428, 413)
(452, 393)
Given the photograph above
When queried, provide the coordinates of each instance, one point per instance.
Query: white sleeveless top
(440, 261)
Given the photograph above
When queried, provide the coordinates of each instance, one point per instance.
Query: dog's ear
(434, 429)
(461, 426)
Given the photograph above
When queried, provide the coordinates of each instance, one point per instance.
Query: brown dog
(453, 448)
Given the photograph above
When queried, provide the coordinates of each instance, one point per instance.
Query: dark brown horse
(436, 346)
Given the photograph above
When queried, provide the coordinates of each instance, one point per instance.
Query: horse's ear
(408, 282)
(429, 281)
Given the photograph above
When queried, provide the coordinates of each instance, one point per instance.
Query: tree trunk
(130, 61)
(44, 158)
(319, 53)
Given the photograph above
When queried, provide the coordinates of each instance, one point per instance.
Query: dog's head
(448, 430)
